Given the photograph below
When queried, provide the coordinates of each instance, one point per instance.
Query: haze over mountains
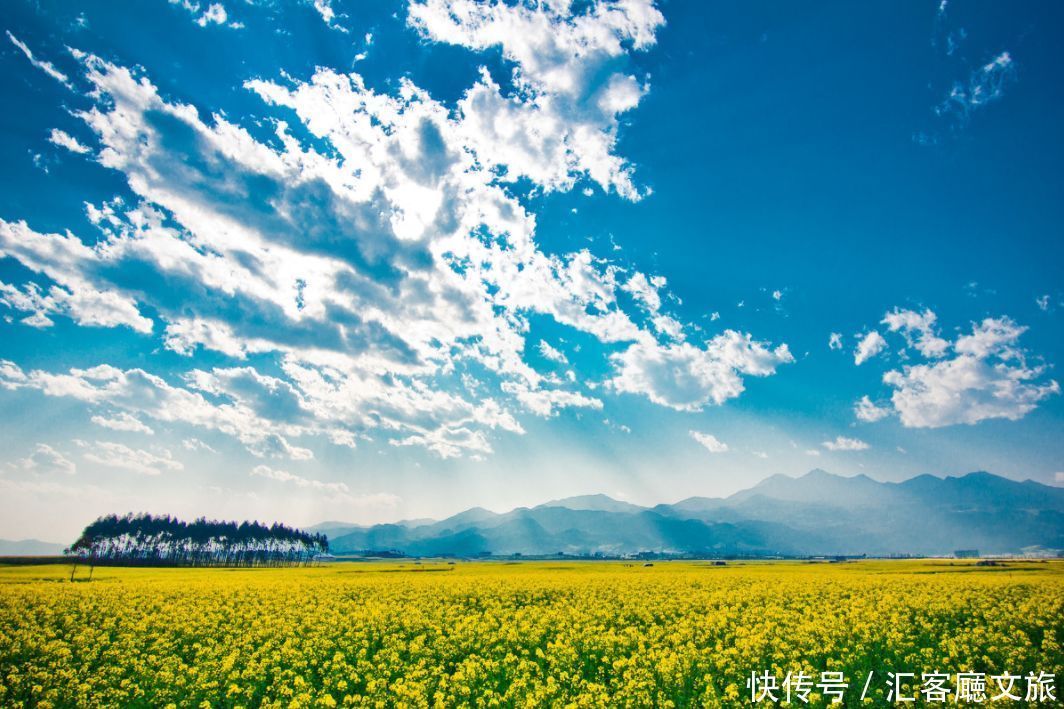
(816, 514)
(29, 547)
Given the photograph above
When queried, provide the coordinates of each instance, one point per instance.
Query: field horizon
(815, 514)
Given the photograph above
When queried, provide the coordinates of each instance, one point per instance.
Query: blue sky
(380, 260)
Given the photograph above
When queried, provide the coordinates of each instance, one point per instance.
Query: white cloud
(65, 140)
(123, 421)
(11, 376)
(835, 341)
(760, 454)
(142, 462)
(274, 445)
(867, 410)
(562, 120)
(383, 271)
(337, 491)
(711, 443)
(986, 377)
(448, 441)
(812, 451)
(1042, 302)
(544, 402)
(195, 444)
(985, 85)
(551, 353)
(44, 460)
(185, 335)
(328, 15)
(965, 390)
(687, 378)
(991, 337)
(214, 14)
(47, 67)
(842, 443)
(919, 331)
(138, 392)
(284, 476)
(645, 290)
(65, 260)
(869, 346)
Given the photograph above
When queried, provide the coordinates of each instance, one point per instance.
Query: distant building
(966, 554)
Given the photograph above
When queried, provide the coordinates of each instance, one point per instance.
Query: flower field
(528, 634)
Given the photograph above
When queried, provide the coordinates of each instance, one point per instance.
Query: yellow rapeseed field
(527, 634)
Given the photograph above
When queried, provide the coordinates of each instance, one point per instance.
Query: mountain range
(29, 547)
(815, 514)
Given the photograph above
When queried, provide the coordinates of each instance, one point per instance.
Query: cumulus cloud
(44, 460)
(867, 410)
(966, 390)
(370, 267)
(709, 441)
(991, 337)
(868, 347)
(213, 14)
(919, 330)
(984, 374)
(123, 421)
(835, 341)
(646, 290)
(142, 462)
(687, 378)
(561, 120)
(842, 443)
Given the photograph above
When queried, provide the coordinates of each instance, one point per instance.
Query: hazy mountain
(817, 513)
(599, 503)
(818, 487)
(29, 547)
(923, 515)
(338, 529)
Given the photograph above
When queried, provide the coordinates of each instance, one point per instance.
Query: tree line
(148, 540)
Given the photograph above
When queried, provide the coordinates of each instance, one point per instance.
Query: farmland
(525, 634)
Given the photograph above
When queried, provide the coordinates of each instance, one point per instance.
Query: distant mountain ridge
(816, 514)
(29, 547)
